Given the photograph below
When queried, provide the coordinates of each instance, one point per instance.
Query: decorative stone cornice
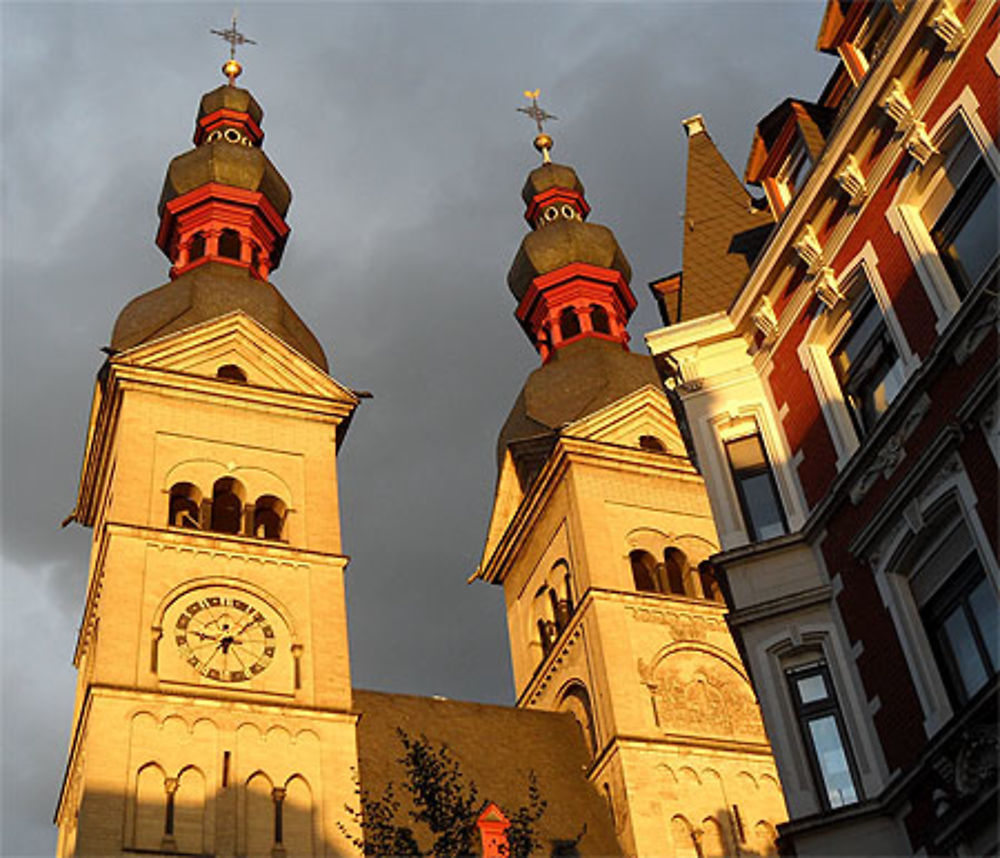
(765, 320)
(809, 249)
(918, 143)
(852, 181)
(947, 27)
(896, 105)
(825, 287)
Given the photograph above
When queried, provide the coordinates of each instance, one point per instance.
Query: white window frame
(821, 338)
(809, 642)
(741, 423)
(904, 212)
(893, 583)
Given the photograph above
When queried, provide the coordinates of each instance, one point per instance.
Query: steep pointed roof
(723, 229)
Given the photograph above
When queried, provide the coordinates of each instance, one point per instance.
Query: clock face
(227, 638)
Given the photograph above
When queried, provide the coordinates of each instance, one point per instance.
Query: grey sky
(395, 126)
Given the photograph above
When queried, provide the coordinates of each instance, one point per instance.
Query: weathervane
(543, 142)
(232, 69)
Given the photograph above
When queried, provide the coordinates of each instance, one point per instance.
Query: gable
(646, 412)
(236, 340)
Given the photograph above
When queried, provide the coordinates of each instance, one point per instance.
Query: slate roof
(206, 292)
(723, 231)
(496, 748)
(579, 379)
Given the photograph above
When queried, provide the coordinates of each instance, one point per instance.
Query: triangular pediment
(236, 340)
(645, 412)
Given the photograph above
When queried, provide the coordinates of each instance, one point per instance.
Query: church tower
(213, 713)
(600, 535)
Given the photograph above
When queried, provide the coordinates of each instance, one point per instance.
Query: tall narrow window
(227, 506)
(643, 571)
(229, 244)
(185, 506)
(867, 365)
(569, 323)
(961, 618)
(599, 320)
(824, 735)
(965, 233)
(196, 250)
(755, 487)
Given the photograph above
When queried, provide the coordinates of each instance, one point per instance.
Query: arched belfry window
(185, 506)
(229, 244)
(709, 583)
(676, 566)
(644, 571)
(569, 323)
(227, 506)
(268, 517)
(599, 320)
(196, 250)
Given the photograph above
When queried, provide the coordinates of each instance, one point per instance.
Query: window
(652, 444)
(709, 583)
(185, 506)
(959, 608)
(227, 506)
(197, 247)
(965, 233)
(599, 320)
(569, 323)
(946, 211)
(229, 244)
(644, 571)
(231, 372)
(823, 734)
(867, 365)
(763, 514)
(268, 517)
(676, 566)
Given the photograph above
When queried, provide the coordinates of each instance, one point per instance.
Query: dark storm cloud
(395, 126)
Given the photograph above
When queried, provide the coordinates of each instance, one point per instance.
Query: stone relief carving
(697, 693)
(892, 452)
(682, 626)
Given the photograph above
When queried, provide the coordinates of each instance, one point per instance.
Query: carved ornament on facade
(919, 143)
(809, 249)
(896, 105)
(765, 320)
(689, 381)
(695, 693)
(967, 766)
(977, 333)
(947, 27)
(852, 182)
(891, 453)
(682, 626)
(825, 287)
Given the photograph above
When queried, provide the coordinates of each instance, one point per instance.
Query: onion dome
(222, 225)
(570, 277)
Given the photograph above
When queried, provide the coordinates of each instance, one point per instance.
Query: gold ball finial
(544, 144)
(232, 69)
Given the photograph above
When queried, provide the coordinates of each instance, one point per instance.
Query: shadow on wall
(725, 833)
(175, 814)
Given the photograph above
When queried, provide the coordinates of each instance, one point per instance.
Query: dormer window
(785, 147)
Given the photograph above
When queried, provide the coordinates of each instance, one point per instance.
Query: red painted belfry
(570, 277)
(224, 201)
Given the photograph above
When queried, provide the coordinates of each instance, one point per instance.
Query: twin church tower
(215, 713)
